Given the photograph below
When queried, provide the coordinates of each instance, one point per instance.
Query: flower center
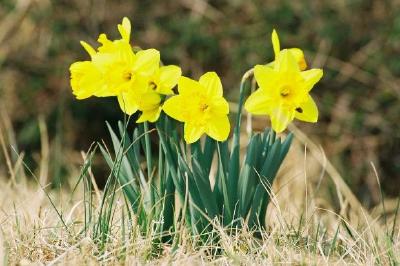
(152, 85)
(203, 107)
(127, 75)
(299, 109)
(285, 91)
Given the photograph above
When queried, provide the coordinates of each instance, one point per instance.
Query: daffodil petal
(275, 43)
(128, 102)
(148, 101)
(212, 83)
(265, 76)
(259, 103)
(286, 62)
(104, 40)
(125, 29)
(311, 77)
(175, 108)
(149, 115)
(192, 133)
(307, 111)
(89, 49)
(187, 86)
(218, 128)
(147, 62)
(280, 119)
(86, 79)
(169, 76)
(299, 56)
(219, 106)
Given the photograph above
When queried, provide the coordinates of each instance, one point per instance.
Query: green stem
(242, 92)
(149, 163)
(234, 165)
(148, 148)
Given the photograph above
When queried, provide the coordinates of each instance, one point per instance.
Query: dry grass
(306, 225)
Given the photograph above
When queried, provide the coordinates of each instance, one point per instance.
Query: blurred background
(356, 42)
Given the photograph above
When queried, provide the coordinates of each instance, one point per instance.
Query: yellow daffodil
(148, 97)
(88, 78)
(121, 67)
(201, 106)
(165, 79)
(297, 53)
(283, 92)
(161, 83)
(114, 65)
(115, 70)
(132, 77)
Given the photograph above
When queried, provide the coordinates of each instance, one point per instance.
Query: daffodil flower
(201, 107)
(165, 79)
(148, 98)
(115, 70)
(297, 53)
(131, 79)
(283, 92)
(89, 78)
(161, 83)
(86, 79)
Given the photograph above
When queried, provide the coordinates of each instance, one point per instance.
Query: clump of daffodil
(136, 79)
(284, 88)
(201, 107)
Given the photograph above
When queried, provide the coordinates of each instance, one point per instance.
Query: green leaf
(229, 203)
(248, 179)
(285, 147)
(256, 207)
(131, 192)
(208, 154)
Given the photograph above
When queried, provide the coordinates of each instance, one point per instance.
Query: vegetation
(59, 204)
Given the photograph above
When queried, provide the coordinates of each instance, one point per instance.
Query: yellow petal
(219, 106)
(104, 40)
(192, 133)
(280, 118)
(212, 83)
(259, 103)
(275, 43)
(299, 56)
(265, 76)
(169, 76)
(125, 29)
(311, 77)
(218, 128)
(147, 62)
(187, 86)
(149, 115)
(307, 111)
(148, 101)
(86, 79)
(141, 85)
(175, 108)
(286, 62)
(89, 49)
(128, 102)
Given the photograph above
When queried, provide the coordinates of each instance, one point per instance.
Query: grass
(306, 224)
